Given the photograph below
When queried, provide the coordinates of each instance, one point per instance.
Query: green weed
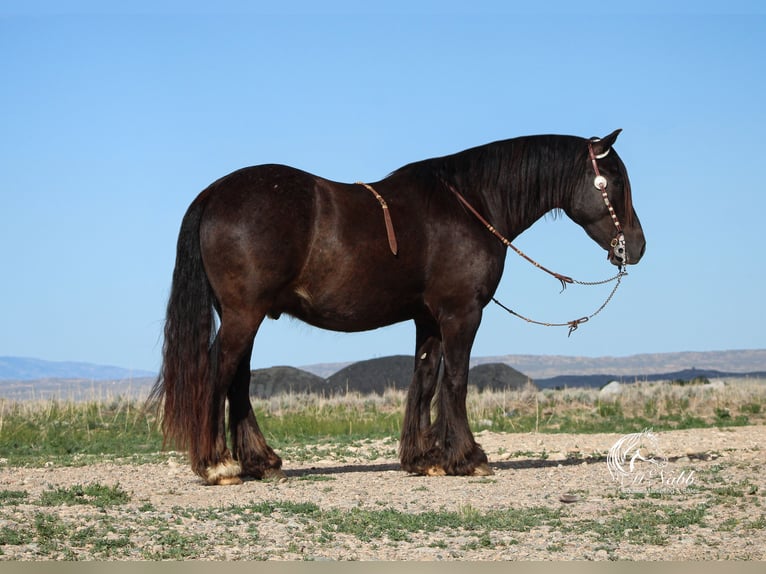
(14, 536)
(94, 494)
(50, 531)
(175, 546)
(646, 523)
(11, 497)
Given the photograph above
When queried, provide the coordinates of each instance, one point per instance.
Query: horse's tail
(185, 382)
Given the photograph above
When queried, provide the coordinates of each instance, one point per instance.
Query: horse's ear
(602, 146)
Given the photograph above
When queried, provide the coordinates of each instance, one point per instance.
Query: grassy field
(37, 432)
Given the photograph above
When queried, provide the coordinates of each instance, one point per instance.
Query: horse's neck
(504, 206)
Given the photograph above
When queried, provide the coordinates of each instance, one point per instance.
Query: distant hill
(27, 369)
(601, 380)
(275, 380)
(24, 378)
(76, 389)
(548, 366)
(375, 375)
(537, 367)
(497, 377)
(372, 376)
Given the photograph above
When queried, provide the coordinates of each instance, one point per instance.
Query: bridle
(618, 243)
(618, 247)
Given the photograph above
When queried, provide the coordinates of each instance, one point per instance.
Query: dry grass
(36, 430)
(641, 399)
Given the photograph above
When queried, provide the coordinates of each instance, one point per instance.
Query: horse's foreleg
(455, 450)
(417, 439)
(248, 443)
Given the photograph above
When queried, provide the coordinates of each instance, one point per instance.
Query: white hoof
(226, 472)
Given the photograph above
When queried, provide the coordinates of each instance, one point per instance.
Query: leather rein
(617, 244)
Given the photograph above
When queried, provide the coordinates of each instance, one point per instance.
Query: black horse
(272, 239)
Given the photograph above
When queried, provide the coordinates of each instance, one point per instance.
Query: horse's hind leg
(231, 348)
(208, 454)
(256, 458)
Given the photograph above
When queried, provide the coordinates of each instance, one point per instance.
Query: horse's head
(601, 203)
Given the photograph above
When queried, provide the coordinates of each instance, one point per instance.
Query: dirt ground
(718, 473)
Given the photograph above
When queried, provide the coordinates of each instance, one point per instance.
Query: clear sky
(113, 118)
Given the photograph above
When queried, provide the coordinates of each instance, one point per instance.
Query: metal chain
(620, 274)
(576, 322)
(564, 279)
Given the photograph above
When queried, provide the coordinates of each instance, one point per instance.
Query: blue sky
(112, 119)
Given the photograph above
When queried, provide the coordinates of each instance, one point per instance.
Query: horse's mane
(528, 171)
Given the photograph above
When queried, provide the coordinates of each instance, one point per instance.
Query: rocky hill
(375, 375)
(497, 377)
(267, 382)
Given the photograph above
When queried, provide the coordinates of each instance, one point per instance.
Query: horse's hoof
(274, 475)
(229, 480)
(435, 471)
(224, 473)
(483, 470)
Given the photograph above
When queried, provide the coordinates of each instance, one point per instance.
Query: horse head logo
(635, 458)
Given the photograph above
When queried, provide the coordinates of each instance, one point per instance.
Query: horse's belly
(349, 309)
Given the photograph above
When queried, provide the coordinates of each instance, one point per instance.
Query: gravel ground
(562, 479)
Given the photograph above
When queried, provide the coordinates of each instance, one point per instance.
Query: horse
(272, 239)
